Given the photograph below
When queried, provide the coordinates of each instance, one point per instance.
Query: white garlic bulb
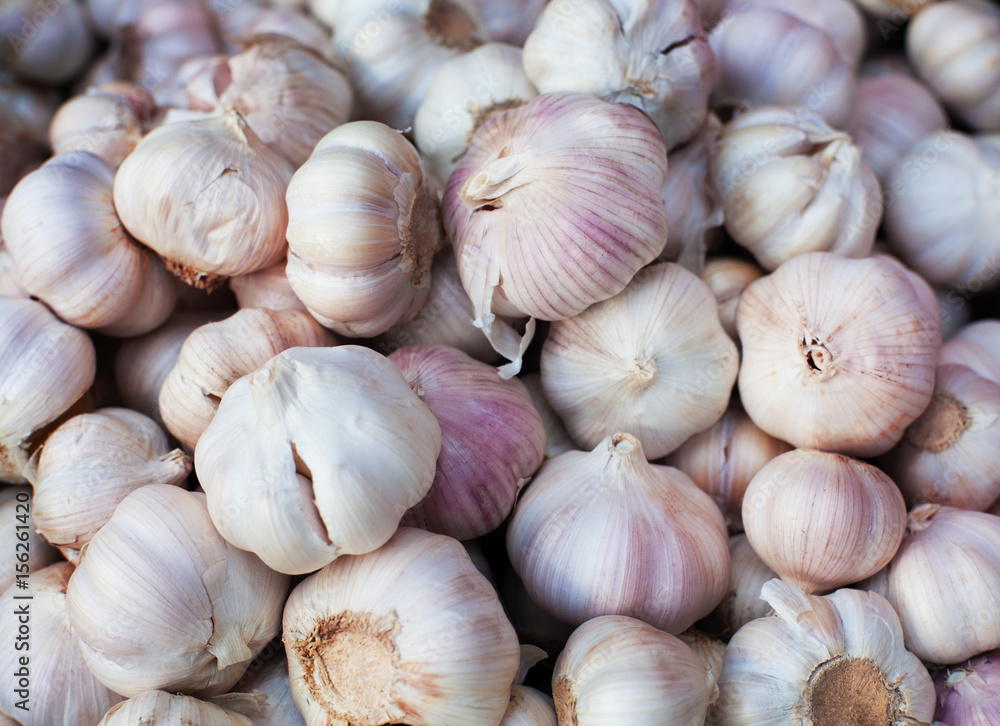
(975, 346)
(19, 536)
(557, 439)
(315, 455)
(791, 184)
(208, 196)
(158, 707)
(511, 21)
(10, 284)
(161, 602)
(662, 556)
(616, 669)
(747, 575)
(726, 277)
(838, 354)
(107, 120)
(529, 707)
(44, 42)
(72, 252)
(838, 659)
(363, 227)
(268, 675)
(268, 288)
(410, 632)
(969, 694)
(245, 21)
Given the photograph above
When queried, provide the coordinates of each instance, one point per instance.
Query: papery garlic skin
(618, 669)
(270, 678)
(15, 502)
(791, 184)
(653, 360)
(748, 573)
(159, 707)
(726, 277)
(836, 659)
(161, 602)
(557, 439)
(662, 557)
(44, 43)
(529, 707)
(969, 694)
(838, 354)
(10, 284)
(408, 632)
(511, 21)
(243, 22)
(315, 455)
(975, 346)
(107, 120)
(268, 288)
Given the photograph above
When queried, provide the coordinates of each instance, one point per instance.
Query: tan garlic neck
(449, 25)
(921, 517)
(852, 690)
(642, 372)
(421, 233)
(941, 425)
(565, 700)
(817, 356)
(484, 189)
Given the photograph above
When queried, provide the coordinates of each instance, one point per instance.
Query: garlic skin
(557, 439)
(72, 252)
(45, 43)
(969, 694)
(161, 602)
(10, 284)
(838, 354)
(232, 220)
(653, 360)
(15, 501)
(662, 557)
(89, 464)
(363, 227)
(711, 650)
(618, 669)
(268, 288)
(954, 47)
(159, 707)
(270, 678)
(747, 576)
(408, 632)
(46, 367)
(511, 21)
(107, 120)
(247, 21)
(977, 347)
(956, 619)
(595, 169)
(726, 277)
(831, 660)
(529, 707)
(791, 184)
(315, 455)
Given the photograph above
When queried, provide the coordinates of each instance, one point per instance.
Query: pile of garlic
(524, 363)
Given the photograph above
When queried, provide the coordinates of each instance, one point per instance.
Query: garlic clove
(159, 707)
(15, 503)
(748, 573)
(726, 277)
(969, 693)
(977, 347)
(268, 288)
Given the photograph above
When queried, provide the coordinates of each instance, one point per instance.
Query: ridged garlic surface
(15, 508)
(158, 708)
(555, 206)
(529, 707)
(838, 354)
(161, 601)
(317, 454)
(616, 669)
(661, 555)
(726, 277)
(975, 346)
(969, 694)
(270, 677)
(268, 288)
(207, 196)
(838, 659)
(747, 575)
(10, 284)
(107, 120)
(241, 24)
(653, 360)
(557, 439)
(363, 227)
(791, 184)
(43, 43)
(410, 633)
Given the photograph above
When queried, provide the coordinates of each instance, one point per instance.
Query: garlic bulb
(747, 576)
(653, 55)
(71, 250)
(653, 360)
(410, 632)
(466, 91)
(45, 368)
(10, 284)
(969, 694)
(557, 439)
(231, 217)
(661, 557)
(822, 521)
(216, 354)
(791, 184)
(944, 208)
(975, 346)
(47, 680)
(315, 455)
(107, 120)
(270, 678)
(89, 464)
(492, 440)
(572, 186)
(511, 21)
(616, 669)
(247, 21)
(838, 659)
(529, 707)
(957, 617)
(18, 536)
(754, 50)
(954, 46)
(838, 354)
(268, 288)
(159, 707)
(363, 227)
(893, 113)
(162, 35)
(161, 602)
(726, 277)
(47, 43)
(723, 459)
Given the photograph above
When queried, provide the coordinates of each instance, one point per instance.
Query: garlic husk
(158, 708)
(529, 707)
(269, 677)
(572, 186)
(969, 694)
(216, 354)
(838, 354)
(747, 575)
(315, 455)
(107, 120)
(363, 227)
(975, 346)
(46, 43)
(662, 555)
(822, 521)
(616, 669)
(557, 439)
(58, 688)
(753, 50)
(653, 360)
(408, 632)
(823, 660)
(791, 184)
(208, 196)
(247, 20)
(726, 277)
(492, 440)
(89, 464)
(45, 368)
(466, 91)
(161, 602)
(954, 47)
(268, 288)
(954, 549)
(15, 508)
(72, 252)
